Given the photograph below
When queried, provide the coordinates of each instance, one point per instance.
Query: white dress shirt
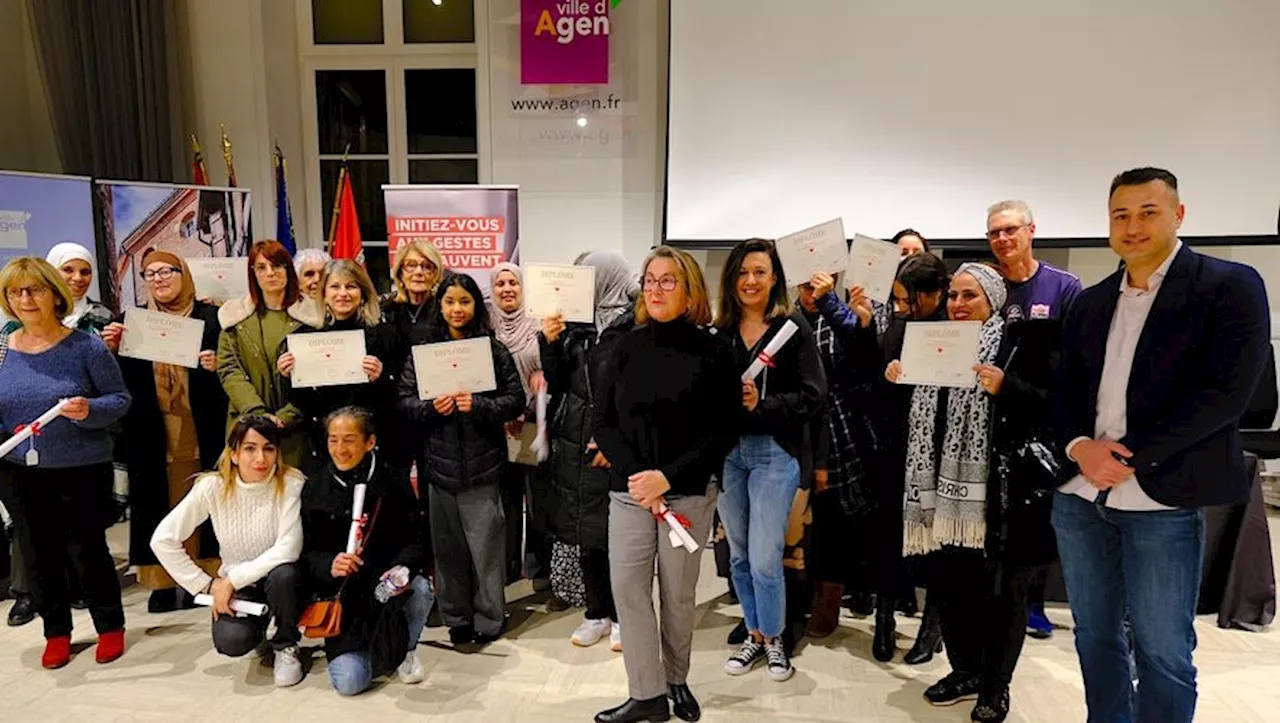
(1112, 421)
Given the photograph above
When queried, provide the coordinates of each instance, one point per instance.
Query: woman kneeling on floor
(374, 635)
(254, 501)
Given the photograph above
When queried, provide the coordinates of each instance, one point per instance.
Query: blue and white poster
(40, 211)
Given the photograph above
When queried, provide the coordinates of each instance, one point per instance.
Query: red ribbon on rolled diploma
(766, 360)
(36, 431)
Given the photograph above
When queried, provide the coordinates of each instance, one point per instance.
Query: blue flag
(284, 217)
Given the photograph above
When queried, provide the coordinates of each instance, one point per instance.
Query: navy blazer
(1198, 360)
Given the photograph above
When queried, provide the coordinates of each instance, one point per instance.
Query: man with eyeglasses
(1037, 291)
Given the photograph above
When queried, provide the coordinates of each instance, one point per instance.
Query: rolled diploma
(678, 534)
(540, 446)
(244, 607)
(782, 337)
(357, 511)
(17, 439)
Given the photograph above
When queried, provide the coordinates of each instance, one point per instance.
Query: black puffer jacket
(460, 449)
(573, 366)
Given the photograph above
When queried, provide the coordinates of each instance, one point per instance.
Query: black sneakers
(746, 658)
(954, 688)
(992, 707)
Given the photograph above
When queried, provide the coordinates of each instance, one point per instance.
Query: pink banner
(564, 41)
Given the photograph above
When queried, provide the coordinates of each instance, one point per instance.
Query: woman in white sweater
(254, 502)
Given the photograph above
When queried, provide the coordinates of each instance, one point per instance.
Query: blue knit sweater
(78, 366)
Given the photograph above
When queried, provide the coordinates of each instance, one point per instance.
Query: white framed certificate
(873, 265)
(220, 278)
(452, 367)
(567, 290)
(327, 358)
(158, 337)
(820, 248)
(940, 353)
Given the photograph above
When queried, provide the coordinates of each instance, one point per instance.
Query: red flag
(199, 176)
(344, 231)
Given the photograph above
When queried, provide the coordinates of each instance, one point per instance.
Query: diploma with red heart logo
(873, 265)
(567, 290)
(221, 278)
(453, 367)
(820, 248)
(940, 353)
(327, 358)
(159, 337)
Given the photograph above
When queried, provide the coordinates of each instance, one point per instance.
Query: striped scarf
(851, 433)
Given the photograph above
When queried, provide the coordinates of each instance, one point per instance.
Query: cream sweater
(256, 531)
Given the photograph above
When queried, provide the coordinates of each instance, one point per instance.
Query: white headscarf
(58, 256)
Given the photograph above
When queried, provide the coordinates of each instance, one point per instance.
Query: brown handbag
(323, 618)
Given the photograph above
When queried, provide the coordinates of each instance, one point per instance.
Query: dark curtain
(105, 67)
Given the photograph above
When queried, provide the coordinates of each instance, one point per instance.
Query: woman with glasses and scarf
(573, 359)
(175, 429)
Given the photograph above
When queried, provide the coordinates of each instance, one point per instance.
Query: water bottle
(394, 583)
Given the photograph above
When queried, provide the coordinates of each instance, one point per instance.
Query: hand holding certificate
(453, 367)
(328, 358)
(873, 264)
(940, 353)
(566, 290)
(820, 248)
(159, 337)
(220, 278)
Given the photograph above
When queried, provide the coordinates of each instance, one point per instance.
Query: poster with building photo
(39, 211)
(474, 227)
(188, 221)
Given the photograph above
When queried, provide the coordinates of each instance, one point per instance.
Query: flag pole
(337, 199)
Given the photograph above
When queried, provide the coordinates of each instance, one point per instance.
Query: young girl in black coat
(465, 447)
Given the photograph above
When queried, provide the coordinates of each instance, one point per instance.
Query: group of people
(1108, 416)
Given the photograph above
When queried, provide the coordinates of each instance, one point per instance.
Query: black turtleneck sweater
(671, 401)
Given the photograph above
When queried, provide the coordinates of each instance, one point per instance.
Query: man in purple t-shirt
(1036, 291)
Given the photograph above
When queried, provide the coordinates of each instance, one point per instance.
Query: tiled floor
(171, 673)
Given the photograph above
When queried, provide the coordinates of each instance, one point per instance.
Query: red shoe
(110, 646)
(57, 652)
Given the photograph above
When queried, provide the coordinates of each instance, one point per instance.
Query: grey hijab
(616, 286)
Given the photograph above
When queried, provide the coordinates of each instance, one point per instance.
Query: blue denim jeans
(760, 481)
(1146, 566)
(351, 673)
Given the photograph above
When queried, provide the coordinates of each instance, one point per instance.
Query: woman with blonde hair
(254, 502)
(56, 484)
(667, 413)
(350, 304)
(417, 272)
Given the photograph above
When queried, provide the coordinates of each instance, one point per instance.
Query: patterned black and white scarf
(850, 431)
(946, 489)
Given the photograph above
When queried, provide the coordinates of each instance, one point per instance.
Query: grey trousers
(656, 655)
(468, 533)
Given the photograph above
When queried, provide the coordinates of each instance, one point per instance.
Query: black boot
(882, 647)
(23, 610)
(683, 704)
(738, 635)
(654, 709)
(929, 641)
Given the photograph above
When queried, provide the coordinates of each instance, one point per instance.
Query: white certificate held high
(873, 265)
(160, 337)
(820, 248)
(567, 290)
(327, 358)
(221, 278)
(941, 353)
(452, 367)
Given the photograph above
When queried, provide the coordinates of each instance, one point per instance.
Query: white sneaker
(590, 632)
(410, 671)
(288, 667)
(615, 638)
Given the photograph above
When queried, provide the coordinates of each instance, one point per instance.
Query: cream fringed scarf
(946, 494)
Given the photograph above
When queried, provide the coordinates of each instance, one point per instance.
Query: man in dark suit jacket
(1159, 363)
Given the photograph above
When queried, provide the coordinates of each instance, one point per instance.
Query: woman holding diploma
(960, 507)
(465, 448)
(574, 357)
(919, 294)
(56, 484)
(763, 472)
(253, 338)
(253, 501)
(351, 304)
(375, 635)
(668, 407)
(175, 428)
